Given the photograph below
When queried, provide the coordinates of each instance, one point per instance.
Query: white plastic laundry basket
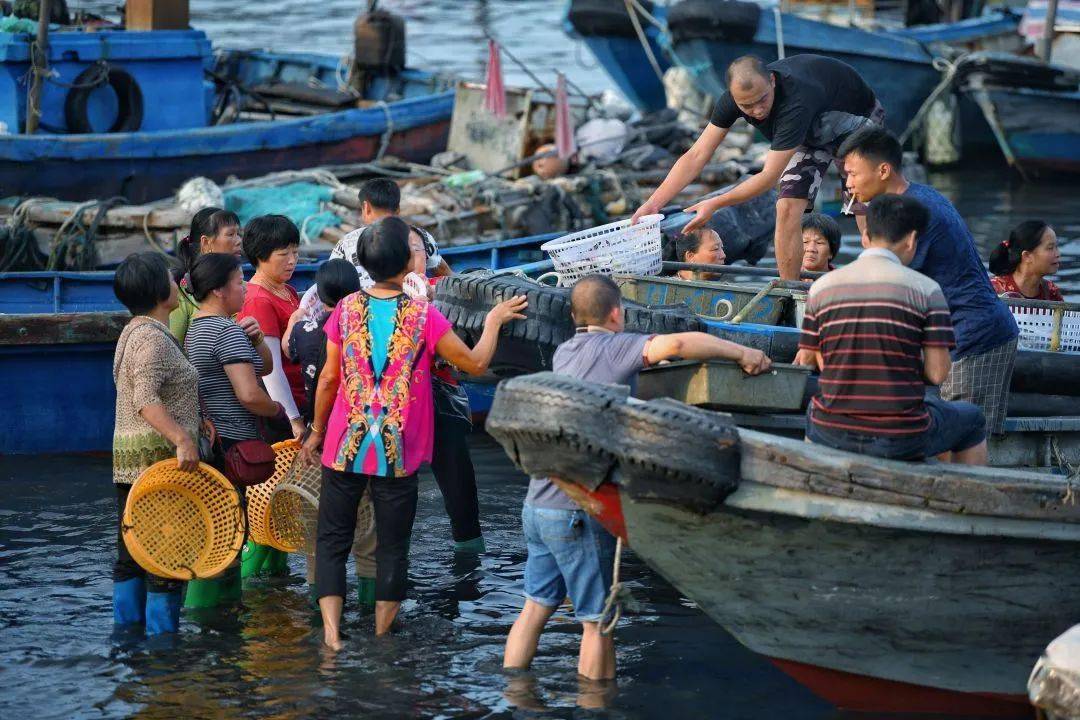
(617, 247)
(1052, 326)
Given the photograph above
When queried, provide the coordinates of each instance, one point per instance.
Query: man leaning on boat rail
(806, 105)
(985, 330)
(569, 553)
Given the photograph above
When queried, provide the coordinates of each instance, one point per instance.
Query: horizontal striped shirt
(213, 342)
(870, 321)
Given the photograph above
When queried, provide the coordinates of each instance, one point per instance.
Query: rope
(943, 66)
(612, 605)
(99, 78)
(1072, 471)
(641, 37)
(149, 237)
(384, 142)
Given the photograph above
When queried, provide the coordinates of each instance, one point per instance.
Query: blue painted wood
(153, 162)
(1041, 127)
(625, 62)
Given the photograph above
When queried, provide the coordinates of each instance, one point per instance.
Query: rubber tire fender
(129, 114)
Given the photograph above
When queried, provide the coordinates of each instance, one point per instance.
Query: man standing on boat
(985, 330)
(806, 105)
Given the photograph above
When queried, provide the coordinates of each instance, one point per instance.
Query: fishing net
(301, 202)
(183, 525)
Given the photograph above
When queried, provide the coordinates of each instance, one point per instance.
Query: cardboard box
(156, 15)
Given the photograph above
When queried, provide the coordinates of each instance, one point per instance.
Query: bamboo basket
(294, 511)
(258, 496)
(183, 525)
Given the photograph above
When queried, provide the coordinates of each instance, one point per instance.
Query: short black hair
(382, 193)
(829, 229)
(210, 272)
(335, 279)
(876, 144)
(593, 298)
(142, 281)
(265, 234)
(383, 248)
(891, 217)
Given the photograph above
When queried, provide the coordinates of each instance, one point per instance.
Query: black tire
(129, 114)
(604, 17)
(674, 453)
(552, 425)
(725, 20)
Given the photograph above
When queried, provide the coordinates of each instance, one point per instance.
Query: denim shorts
(954, 426)
(569, 554)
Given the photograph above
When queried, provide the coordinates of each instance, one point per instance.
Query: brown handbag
(249, 462)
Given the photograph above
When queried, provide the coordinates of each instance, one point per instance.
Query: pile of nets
(301, 202)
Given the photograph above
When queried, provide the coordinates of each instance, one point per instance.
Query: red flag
(564, 126)
(495, 93)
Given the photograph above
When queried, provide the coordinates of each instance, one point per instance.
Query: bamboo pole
(39, 53)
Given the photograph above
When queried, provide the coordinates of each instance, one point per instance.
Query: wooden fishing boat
(144, 117)
(882, 586)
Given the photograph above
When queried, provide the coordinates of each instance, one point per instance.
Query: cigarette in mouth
(850, 202)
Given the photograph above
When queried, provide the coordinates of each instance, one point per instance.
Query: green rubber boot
(223, 590)
(475, 546)
(365, 593)
(262, 560)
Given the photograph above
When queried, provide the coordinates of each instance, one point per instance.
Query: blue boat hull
(1040, 127)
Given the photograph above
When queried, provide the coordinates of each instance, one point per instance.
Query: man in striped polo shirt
(880, 332)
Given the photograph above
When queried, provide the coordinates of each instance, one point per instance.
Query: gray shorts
(984, 380)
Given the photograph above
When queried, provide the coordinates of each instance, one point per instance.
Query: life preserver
(129, 111)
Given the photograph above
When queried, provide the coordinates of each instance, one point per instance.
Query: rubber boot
(475, 546)
(129, 601)
(163, 612)
(262, 560)
(225, 589)
(365, 593)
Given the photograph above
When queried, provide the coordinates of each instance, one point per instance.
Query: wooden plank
(112, 249)
(62, 328)
(128, 217)
(782, 462)
(721, 384)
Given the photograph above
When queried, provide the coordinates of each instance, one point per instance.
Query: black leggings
(394, 501)
(125, 567)
(452, 466)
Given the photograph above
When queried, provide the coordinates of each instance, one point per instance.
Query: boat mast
(39, 53)
(1046, 45)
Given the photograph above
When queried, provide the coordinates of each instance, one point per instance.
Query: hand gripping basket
(183, 525)
(294, 510)
(258, 496)
(617, 247)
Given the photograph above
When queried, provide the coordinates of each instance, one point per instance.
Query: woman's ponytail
(189, 249)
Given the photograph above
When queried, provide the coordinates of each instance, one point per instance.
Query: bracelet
(317, 431)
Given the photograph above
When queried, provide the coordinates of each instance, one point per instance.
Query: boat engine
(378, 46)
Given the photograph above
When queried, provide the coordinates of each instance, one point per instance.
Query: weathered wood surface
(793, 464)
(969, 613)
(62, 328)
(722, 384)
(155, 216)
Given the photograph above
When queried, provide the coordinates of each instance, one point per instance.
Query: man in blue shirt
(985, 330)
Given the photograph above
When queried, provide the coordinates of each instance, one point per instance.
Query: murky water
(59, 657)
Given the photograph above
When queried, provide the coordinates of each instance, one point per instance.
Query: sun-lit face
(232, 293)
(709, 252)
(280, 265)
(816, 252)
(865, 179)
(757, 99)
(228, 241)
(418, 262)
(1044, 259)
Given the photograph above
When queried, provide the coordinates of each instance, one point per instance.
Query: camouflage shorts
(804, 172)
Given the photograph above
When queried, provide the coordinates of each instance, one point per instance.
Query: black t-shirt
(817, 100)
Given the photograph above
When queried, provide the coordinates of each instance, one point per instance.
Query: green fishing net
(301, 202)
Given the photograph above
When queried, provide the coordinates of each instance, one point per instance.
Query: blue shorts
(569, 554)
(954, 426)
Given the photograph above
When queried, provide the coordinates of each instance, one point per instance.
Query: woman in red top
(1021, 263)
(271, 244)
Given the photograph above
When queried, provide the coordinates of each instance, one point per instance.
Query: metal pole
(1047, 43)
(39, 52)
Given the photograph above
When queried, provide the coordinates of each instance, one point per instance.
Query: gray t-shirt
(600, 357)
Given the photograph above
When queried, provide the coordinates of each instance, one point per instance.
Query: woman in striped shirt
(229, 357)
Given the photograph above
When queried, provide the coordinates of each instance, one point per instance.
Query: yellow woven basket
(294, 511)
(183, 525)
(258, 496)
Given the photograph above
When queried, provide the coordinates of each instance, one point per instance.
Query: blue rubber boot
(129, 601)
(163, 612)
